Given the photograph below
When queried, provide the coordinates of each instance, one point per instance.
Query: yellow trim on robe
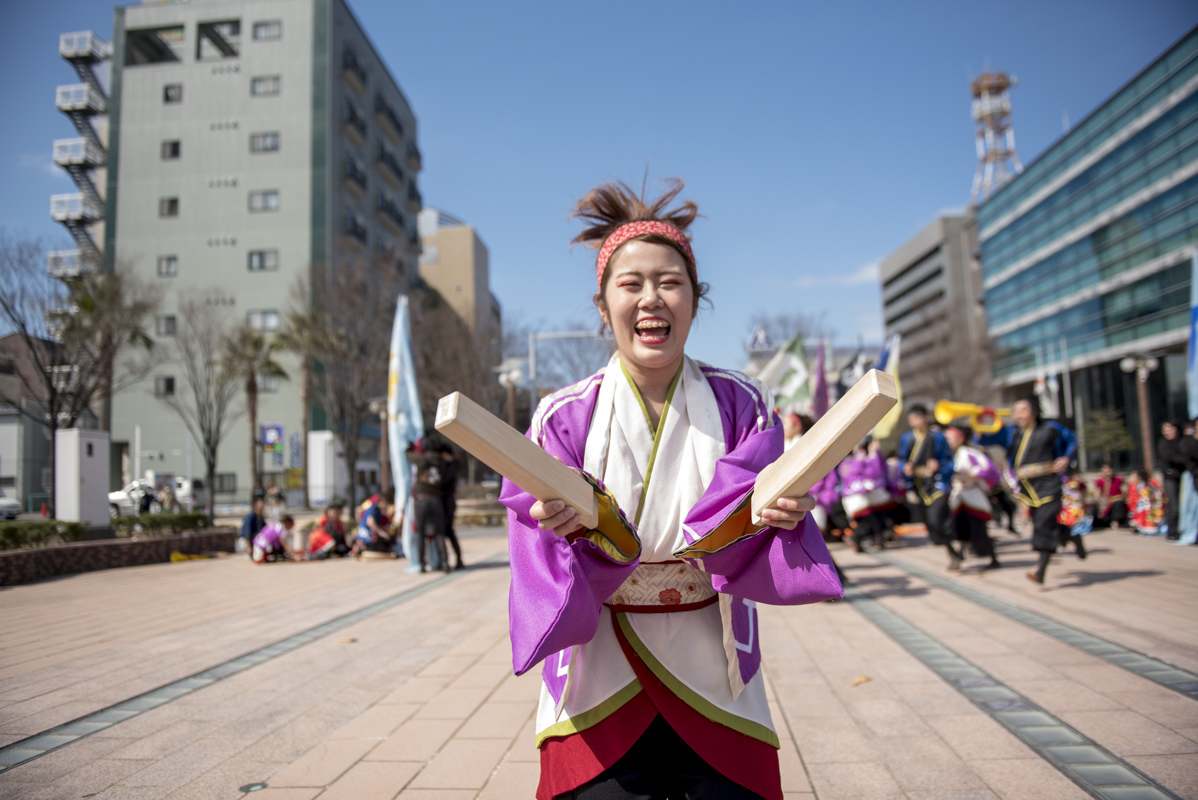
(591, 717)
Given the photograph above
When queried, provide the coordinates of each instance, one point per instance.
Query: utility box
(81, 476)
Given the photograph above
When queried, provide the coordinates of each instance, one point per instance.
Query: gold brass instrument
(947, 410)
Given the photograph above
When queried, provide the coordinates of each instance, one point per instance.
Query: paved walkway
(417, 701)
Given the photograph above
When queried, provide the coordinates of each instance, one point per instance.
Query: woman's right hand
(555, 516)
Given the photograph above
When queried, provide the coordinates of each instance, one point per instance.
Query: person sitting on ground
(327, 538)
(374, 529)
(1074, 515)
(1110, 506)
(252, 523)
(271, 542)
(1145, 502)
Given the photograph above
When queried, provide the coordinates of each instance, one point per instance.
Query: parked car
(126, 502)
(9, 508)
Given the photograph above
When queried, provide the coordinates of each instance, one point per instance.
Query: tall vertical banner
(819, 402)
(788, 378)
(888, 361)
(404, 422)
(1192, 364)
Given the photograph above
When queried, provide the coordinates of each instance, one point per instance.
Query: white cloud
(866, 274)
(43, 162)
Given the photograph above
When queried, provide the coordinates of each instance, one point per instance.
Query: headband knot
(631, 231)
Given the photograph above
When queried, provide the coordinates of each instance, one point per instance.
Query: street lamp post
(510, 379)
(533, 338)
(1141, 366)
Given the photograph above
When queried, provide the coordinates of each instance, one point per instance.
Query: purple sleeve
(774, 566)
(825, 492)
(558, 588)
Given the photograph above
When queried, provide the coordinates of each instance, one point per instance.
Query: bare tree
(447, 355)
(782, 326)
(71, 333)
(249, 354)
(301, 335)
(357, 310)
(561, 362)
(206, 404)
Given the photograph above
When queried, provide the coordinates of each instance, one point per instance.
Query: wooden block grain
(504, 450)
(830, 440)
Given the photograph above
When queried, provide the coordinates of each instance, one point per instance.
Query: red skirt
(570, 761)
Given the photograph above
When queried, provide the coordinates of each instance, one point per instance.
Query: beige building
(454, 261)
(931, 291)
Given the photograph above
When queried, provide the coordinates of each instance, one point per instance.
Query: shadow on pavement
(884, 587)
(1087, 578)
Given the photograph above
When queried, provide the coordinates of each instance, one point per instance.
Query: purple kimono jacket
(559, 587)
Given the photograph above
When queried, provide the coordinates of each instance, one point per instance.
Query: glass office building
(1087, 256)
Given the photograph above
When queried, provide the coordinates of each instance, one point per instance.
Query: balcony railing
(389, 212)
(355, 123)
(355, 176)
(388, 119)
(67, 263)
(82, 44)
(78, 151)
(74, 207)
(80, 97)
(355, 75)
(415, 201)
(390, 168)
(414, 157)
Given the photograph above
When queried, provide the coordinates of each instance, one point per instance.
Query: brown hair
(611, 205)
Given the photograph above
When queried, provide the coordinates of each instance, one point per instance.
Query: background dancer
(865, 494)
(928, 468)
(652, 683)
(1040, 451)
(974, 476)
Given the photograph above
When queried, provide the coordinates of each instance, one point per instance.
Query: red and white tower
(997, 160)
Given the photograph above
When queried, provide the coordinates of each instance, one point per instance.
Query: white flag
(404, 423)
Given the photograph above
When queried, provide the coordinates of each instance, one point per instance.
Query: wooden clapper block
(504, 450)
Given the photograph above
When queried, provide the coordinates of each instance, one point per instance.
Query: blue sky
(815, 137)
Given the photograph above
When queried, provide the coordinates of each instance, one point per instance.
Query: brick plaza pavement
(417, 700)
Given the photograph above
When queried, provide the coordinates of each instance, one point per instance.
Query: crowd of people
(955, 481)
(378, 522)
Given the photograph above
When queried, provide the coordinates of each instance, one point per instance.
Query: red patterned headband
(634, 229)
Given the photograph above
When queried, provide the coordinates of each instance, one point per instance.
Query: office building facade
(1087, 256)
(253, 145)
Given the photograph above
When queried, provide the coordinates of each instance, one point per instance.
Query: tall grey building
(931, 287)
(251, 144)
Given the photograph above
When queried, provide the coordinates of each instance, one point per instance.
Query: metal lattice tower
(85, 104)
(997, 160)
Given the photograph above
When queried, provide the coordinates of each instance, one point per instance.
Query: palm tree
(301, 335)
(249, 354)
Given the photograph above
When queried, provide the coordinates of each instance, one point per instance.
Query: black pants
(1003, 505)
(871, 526)
(660, 766)
(1172, 488)
(936, 517)
(450, 506)
(430, 523)
(973, 530)
(1116, 514)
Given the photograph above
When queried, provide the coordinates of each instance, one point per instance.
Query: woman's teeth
(653, 328)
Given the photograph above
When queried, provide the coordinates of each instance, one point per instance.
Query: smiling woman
(647, 626)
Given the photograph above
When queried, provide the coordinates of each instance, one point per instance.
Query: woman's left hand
(788, 512)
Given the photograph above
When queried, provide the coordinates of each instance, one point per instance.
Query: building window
(355, 227)
(172, 93)
(267, 320)
(264, 142)
(268, 31)
(224, 483)
(268, 384)
(168, 207)
(264, 85)
(168, 266)
(264, 201)
(170, 149)
(165, 324)
(263, 260)
(218, 40)
(164, 386)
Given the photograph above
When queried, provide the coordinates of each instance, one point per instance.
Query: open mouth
(653, 331)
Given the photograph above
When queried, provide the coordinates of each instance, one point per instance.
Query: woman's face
(649, 303)
(1169, 430)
